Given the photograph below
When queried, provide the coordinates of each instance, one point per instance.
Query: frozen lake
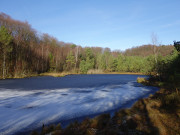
(27, 104)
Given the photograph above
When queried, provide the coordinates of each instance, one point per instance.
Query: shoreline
(66, 123)
(63, 74)
(147, 115)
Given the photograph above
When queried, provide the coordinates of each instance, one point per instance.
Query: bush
(170, 102)
(141, 80)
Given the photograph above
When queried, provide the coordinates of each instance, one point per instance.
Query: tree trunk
(155, 53)
(42, 58)
(4, 66)
(56, 64)
(76, 56)
(177, 91)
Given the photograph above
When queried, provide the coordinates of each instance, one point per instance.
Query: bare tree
(154, 40)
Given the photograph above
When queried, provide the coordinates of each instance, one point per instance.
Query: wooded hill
(146, 50)
(24, 51)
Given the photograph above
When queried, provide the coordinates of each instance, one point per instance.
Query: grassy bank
(19, 76)
(54, 74)
(62, 74)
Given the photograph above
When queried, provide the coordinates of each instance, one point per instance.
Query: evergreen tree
(70, 61)
(177, 45)
(6, 46)
(88, 63)
(51, 61)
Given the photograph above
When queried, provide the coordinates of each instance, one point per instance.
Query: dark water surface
(27, 104)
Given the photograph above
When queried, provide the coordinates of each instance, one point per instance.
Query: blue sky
(117, 24)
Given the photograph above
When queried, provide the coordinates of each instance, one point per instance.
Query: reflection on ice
(21, 109)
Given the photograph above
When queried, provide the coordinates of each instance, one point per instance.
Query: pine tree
(70, 61)
(5, 45)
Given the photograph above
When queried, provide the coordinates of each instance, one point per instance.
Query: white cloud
(172, 24)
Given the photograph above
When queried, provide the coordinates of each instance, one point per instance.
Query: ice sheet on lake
(21, 110)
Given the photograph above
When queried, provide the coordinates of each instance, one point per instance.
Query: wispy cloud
(171, 24)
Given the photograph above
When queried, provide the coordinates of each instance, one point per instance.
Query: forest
(25, 51)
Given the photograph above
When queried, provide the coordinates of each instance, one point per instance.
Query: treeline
(169, 67)
(24, 51)
(146, 50)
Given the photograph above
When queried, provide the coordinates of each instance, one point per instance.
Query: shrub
(141, 80)
(171, 101)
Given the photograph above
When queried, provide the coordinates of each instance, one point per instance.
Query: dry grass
(142, 80)
(99, 71)
(166, 123)
(124, 73)
(160, 122)
(95, 71)
(56, 74)
(92, 71)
